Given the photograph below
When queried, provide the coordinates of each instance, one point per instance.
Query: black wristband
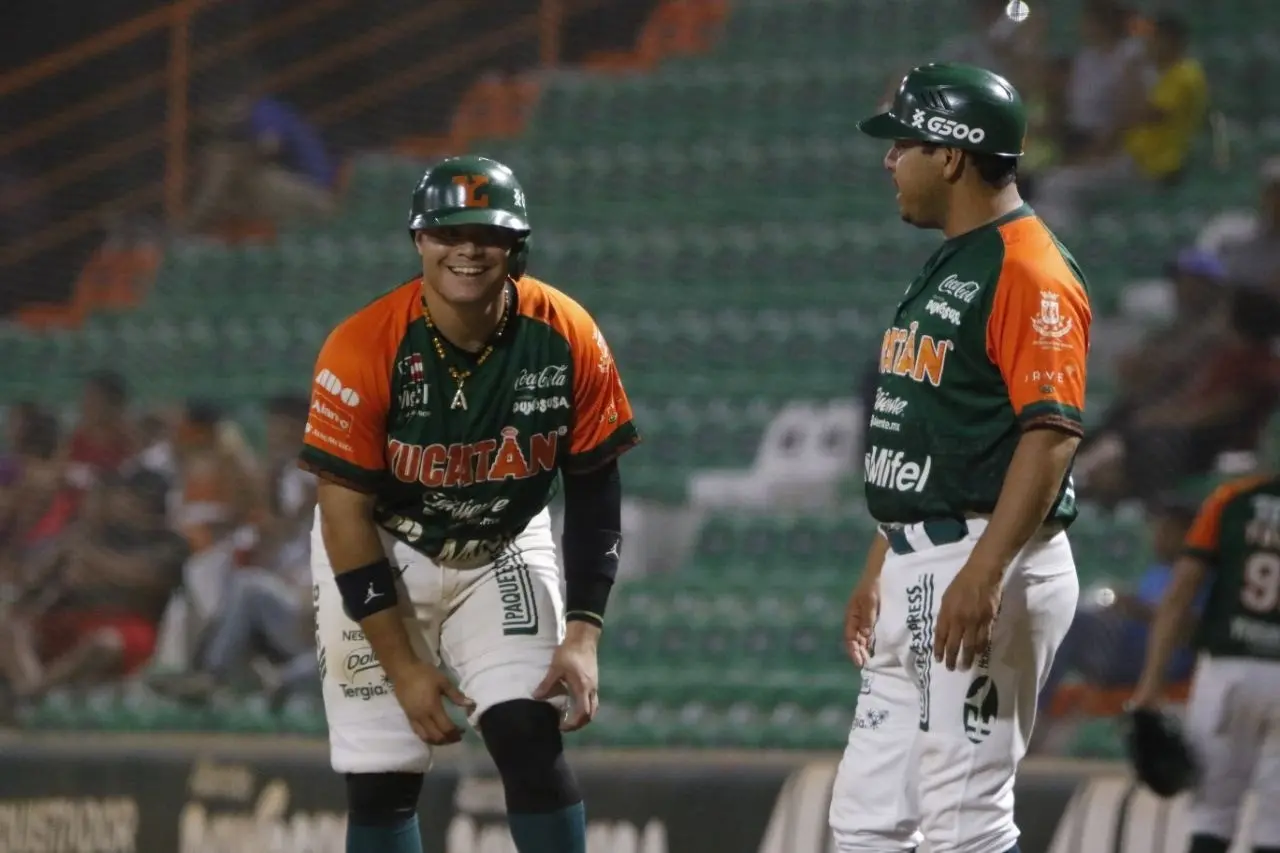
(368, 590)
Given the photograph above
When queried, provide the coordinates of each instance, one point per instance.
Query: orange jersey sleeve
(1204, 538)
(345, 437)
(603, 427)
(1038, 329)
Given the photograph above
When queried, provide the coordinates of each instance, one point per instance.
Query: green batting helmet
(961, 106)
(472, 190)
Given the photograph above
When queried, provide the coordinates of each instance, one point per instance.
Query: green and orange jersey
(455, 482)
(989, 340)
(1237, 534)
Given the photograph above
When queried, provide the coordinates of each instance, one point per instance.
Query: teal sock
(400, 837)
(563, 831)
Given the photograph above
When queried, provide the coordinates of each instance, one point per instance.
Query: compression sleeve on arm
(591, 541)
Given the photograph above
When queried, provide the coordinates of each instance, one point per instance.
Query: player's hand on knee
(966, 616)
(421, 692)
(860, 614)
(574, 672)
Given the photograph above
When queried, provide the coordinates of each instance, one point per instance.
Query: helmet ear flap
(518, 258)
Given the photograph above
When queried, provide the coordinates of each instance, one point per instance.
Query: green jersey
(990, 339)
(459, 469)
(1237, 532)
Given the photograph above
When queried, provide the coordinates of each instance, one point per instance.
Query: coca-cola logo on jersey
(552, 376)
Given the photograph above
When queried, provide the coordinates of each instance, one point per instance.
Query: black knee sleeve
(523, 736)
(379, 799)
(1209, 844)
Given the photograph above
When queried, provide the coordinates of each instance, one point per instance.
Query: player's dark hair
(996, 171)
(1173, 27)
(110, 385)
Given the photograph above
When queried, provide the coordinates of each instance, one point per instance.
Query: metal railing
(170, 138)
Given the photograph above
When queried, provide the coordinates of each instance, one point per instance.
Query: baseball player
(1233, 715)
(442, 414)
(971, 586)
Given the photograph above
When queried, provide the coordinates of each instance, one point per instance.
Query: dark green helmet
(473, 190)
(961, 106)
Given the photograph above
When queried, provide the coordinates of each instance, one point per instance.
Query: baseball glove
(1159, 753)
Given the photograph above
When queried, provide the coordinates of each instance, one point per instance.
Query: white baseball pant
(1233, 724)
(932, 754)
(495, 627)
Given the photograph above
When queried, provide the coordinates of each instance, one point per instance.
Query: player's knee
(381, 799)
(1209, 844)
(523, 737)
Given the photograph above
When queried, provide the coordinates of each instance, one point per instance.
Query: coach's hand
(574, 671)
(860, 615)
(421, 690)
(966, 616)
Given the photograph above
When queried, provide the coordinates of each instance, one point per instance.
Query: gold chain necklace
(461, 376)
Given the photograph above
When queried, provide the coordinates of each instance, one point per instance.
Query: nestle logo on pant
(891, 469)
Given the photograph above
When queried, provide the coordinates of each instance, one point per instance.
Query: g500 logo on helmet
(947, 127)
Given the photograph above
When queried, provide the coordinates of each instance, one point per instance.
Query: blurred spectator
(1253, 259)
(103, 438)
(1107, 644)
(1219, 402)
(17, 423)
(36, 504)
(1150, 145)
(157, 451)
(1201, 320)
(90, 611)
(1105, 82)
(269, 597)
(217, 477)
(266, 162)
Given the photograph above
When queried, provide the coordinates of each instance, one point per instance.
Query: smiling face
(465, 264)
(918, 174)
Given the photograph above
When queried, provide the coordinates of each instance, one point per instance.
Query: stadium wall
(190, 794)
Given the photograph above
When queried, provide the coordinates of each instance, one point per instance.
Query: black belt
(939, 531)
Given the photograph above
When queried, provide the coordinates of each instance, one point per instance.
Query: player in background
(442, 414)
(971, 587)
(1233, 714)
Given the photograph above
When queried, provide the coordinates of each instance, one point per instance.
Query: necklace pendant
(459, 400)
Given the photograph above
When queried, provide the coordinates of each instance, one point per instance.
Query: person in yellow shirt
(1153, 146)
(1161, 136)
